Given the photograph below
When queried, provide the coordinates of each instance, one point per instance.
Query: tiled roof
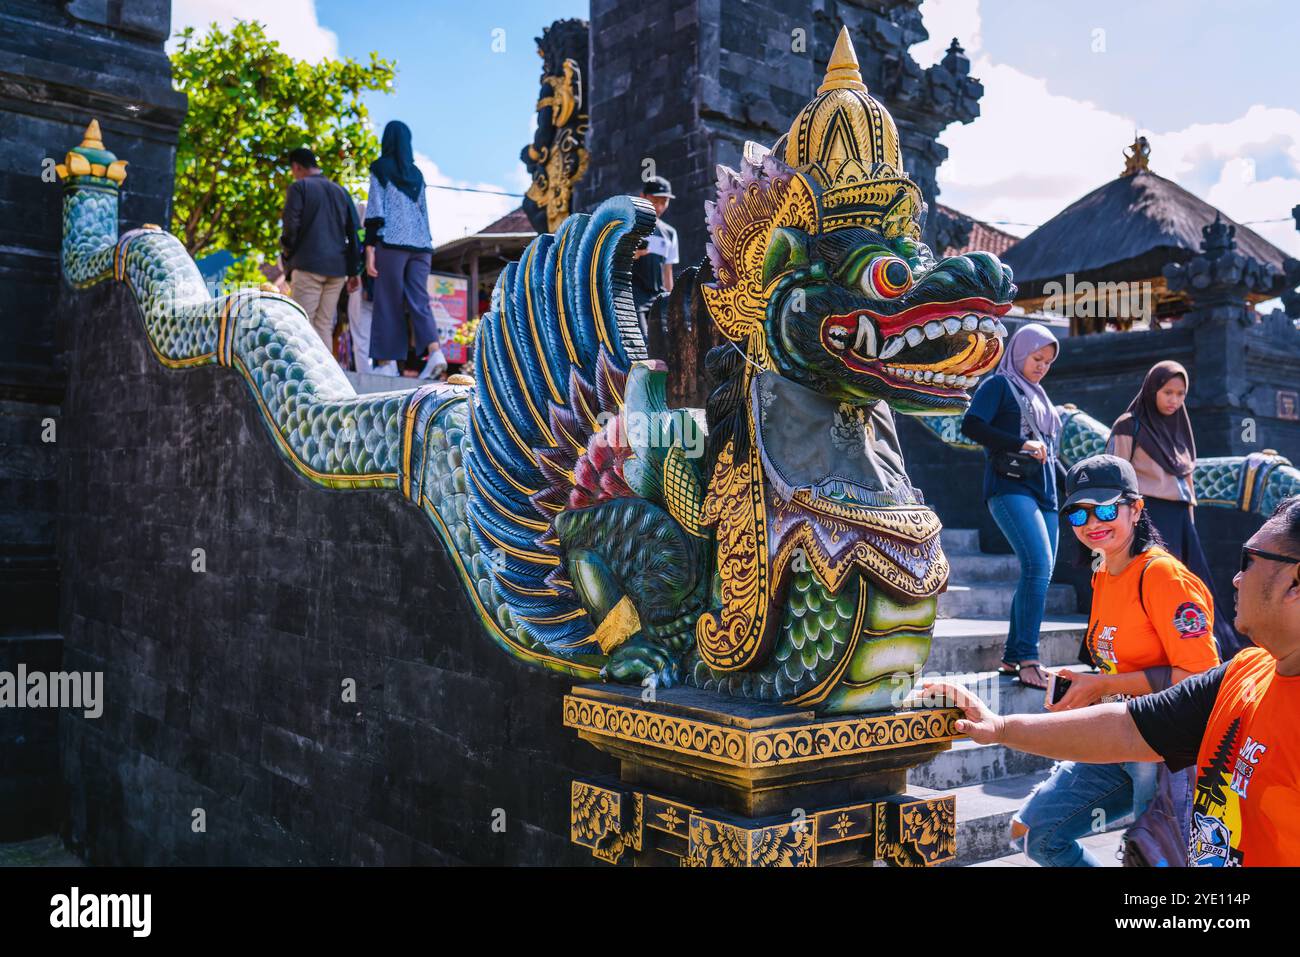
(983, 237)
(512, 222)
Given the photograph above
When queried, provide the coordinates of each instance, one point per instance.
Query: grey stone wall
(62, 63)
(29, 756)
(223, 689)
(686, 82)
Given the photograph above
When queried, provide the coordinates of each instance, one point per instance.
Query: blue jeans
(1032, 532)
(1081, 799)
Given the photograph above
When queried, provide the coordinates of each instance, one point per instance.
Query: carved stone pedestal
(712, 781)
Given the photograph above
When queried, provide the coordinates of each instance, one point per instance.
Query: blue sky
(1170, 63)
(444, 51)
(1213, 85)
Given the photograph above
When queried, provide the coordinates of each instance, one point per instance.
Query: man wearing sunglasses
(1238, 723)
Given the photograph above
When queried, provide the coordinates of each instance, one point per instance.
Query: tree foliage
(250, 104)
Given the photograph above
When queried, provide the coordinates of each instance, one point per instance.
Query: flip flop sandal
(1030, 684)
(1008, 670)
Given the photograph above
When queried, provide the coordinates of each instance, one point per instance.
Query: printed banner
(449, 300)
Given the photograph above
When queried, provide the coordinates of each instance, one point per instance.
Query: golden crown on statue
(846, 142)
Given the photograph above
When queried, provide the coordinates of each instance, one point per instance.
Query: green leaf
(249, 105)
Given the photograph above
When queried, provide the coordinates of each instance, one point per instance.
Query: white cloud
(1031, 152)
(945, 19)
(291, 22)
(1234, 148)
(454, 214)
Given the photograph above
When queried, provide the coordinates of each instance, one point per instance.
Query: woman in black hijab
(399, 251)
(1155, 435)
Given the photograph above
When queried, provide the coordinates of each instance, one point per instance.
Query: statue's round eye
(887, 277)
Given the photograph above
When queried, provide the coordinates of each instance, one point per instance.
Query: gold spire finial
(842, 72)
(93, 139)
(1139, 159)
(92, 159)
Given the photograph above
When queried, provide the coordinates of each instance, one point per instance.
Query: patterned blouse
(394, 219)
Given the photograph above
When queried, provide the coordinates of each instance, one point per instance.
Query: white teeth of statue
(952, 324)
(933, 330)
(929, 376)
(970, 323)
(914, 336)
(893, 346)
(986, 325)
(999, 329)
(865, 345)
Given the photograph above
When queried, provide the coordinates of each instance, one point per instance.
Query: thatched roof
(1125, 230)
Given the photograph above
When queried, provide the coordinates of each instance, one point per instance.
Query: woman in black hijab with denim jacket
(399, 252)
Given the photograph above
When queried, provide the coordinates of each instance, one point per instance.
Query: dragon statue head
(820, 271)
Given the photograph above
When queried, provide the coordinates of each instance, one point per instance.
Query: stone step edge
(993, 810)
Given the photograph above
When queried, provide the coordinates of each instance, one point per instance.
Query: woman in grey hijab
(1014, 419)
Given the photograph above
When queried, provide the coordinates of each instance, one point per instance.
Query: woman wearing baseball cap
(1151, 625)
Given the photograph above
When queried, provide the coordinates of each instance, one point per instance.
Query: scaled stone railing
(411, 442)
(1250, 483)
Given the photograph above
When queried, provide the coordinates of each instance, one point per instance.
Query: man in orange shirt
(1239, 723)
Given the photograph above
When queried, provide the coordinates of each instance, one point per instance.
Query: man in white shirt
(652, 269)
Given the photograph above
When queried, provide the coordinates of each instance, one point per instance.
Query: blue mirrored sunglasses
(1105, 513)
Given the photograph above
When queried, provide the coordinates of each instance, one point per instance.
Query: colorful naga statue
(770, 547)
(787, 558)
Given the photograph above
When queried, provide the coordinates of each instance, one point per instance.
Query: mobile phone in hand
(1057, 686)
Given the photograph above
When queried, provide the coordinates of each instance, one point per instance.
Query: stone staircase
(991, 781)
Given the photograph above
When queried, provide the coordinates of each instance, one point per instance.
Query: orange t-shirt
(1247, 806)
(1170, 622)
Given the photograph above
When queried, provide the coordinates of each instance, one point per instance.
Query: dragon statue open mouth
(782, 557)
(941, 349)
(792, 561)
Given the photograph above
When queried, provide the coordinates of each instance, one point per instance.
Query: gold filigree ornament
(750, 210)
(736, 635)
(566, 92)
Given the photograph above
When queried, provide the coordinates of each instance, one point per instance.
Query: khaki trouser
(319, 297)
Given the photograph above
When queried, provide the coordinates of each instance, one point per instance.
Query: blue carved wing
(551, 361)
